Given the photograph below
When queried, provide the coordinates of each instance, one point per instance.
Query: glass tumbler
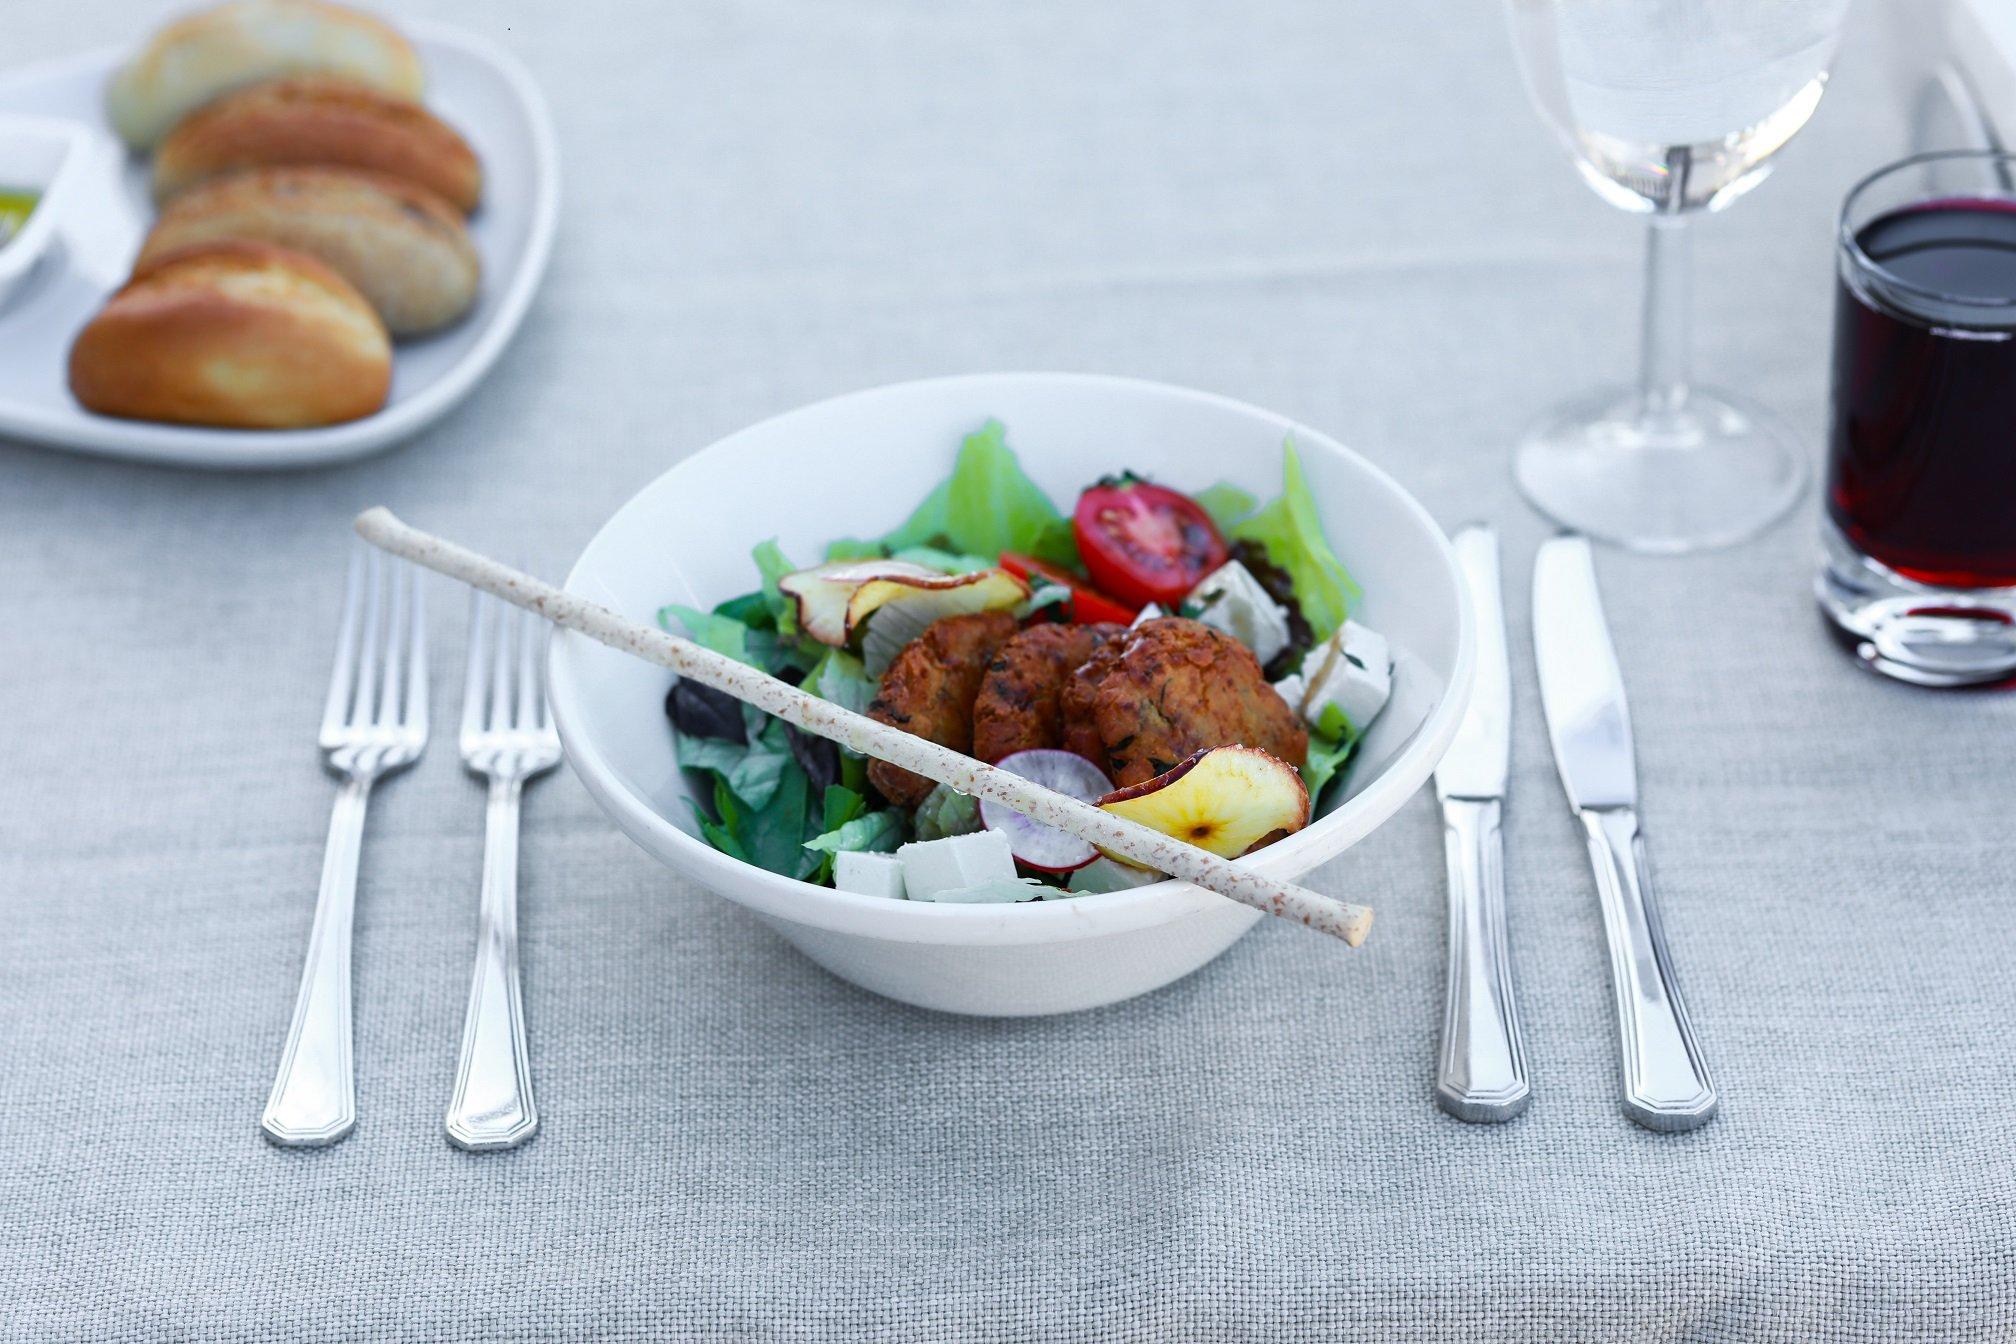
(1919, 537)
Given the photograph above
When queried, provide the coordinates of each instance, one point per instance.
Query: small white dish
(855, 466)
(476, 87)
(44, 156)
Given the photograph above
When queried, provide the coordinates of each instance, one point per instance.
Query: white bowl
(42, 155)
(856, 466)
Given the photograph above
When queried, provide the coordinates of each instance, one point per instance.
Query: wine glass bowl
(1670, 108)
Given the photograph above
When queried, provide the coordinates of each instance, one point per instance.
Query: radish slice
(1034, 844)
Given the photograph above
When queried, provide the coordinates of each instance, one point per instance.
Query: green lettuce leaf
(839, 677)
(711, 630)
(773, 565)
(1330, 747)
(945, 811)
(1292, 535)
(853, 548)
(870, 833)
(750, 770)
(945, 562)
(840, 806)
(986, 506)
(992, 506)
(996, 891)
(1226, 503)
(774, 835)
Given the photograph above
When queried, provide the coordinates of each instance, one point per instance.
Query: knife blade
(1481, 1076)
(1666, 1081)
(1581, 687)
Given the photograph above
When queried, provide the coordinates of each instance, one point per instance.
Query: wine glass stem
(1662, 381)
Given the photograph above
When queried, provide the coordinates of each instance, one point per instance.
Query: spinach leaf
(753, 769)
(749, 608)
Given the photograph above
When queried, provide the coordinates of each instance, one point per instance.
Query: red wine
(1923, 442)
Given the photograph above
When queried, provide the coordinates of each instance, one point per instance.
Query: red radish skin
(1035, 845)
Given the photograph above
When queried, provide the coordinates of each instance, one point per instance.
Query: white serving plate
(479, 89)
(855, 466)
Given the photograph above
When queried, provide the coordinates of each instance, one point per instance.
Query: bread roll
(238, 334)
(403, 248)
(211, 52)
(319, 119)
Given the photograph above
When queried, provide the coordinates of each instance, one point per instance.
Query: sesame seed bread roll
(237, 334)
(209, 53)
(321, 120)
(403, 247)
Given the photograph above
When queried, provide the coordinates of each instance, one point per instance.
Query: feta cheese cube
(933, 866)
(1292, 688)
(1354, 673)
(869, 874)
(1150, 612)
(1231, 599)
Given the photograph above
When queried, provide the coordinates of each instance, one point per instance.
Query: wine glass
(1670, 107)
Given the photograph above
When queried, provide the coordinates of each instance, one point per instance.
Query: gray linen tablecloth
(1341, 209)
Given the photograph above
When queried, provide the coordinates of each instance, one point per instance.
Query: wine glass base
(1714, 472)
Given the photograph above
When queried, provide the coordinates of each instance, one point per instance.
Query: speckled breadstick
(825, 719)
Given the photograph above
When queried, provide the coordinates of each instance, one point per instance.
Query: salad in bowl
(1184, 659)
(749, 546)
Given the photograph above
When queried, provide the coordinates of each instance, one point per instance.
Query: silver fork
(507, 737)
(374, 722)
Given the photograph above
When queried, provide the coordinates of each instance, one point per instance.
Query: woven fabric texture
(1342, 209)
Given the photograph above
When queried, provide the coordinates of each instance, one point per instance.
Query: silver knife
(1482, 1076)
(1666, 1082)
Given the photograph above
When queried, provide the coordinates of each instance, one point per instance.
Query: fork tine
(343, 676)
(415, 719)
(500, 670)
(367, 654)
(530, 690)
(476, 685)
(392, 677)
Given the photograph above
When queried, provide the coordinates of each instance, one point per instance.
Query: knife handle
(1666, 1082)
(1482, 1077)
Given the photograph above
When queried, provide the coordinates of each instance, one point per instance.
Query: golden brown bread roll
(402, 246)
(234, 333)
(208, 53)
(319, 119)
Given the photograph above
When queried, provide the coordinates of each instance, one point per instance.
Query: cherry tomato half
(1145, 543)
(1086, 607)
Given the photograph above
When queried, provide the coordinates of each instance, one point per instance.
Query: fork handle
(492, 1105)
(314, 1098)
(1666, 1082)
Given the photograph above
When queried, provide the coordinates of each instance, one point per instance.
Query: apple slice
(1226, 800)
(822, 592)
(834, 600)
(901, 612)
